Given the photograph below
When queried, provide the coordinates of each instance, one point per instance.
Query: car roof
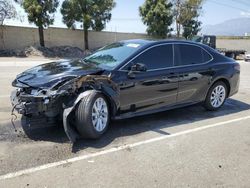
(150, 42)
(146, 43)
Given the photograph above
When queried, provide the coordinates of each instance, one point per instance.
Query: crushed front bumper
(26, 104)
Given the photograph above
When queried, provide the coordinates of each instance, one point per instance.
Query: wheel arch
(112, 103)
(104, 85)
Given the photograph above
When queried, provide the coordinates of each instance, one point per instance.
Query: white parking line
(115, 149)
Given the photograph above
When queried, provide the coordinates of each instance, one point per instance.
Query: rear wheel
(92, 115)
(216, 96)
(233, 56)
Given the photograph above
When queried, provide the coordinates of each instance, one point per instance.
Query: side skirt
(135, 114)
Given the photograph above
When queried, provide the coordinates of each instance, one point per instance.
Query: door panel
(154, 88)
(193, 83)
(148, 90)
(194, 72)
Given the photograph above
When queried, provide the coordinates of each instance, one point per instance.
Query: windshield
(112, 55)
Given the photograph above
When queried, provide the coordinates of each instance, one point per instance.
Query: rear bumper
(234, 84)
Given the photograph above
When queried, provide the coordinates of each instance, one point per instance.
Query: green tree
(93, 14)
(191, 28)
(186, 13)
(41, 13)
(189, 18)
(158, 16)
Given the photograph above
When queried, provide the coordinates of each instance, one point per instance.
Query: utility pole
(177, 15)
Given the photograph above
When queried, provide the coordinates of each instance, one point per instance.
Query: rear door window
(187, 54)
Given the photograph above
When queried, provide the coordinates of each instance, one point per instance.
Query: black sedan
(125, 79)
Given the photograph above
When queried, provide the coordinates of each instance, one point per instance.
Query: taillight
(237, 66)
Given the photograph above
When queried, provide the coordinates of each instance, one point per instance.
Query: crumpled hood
(46, 75)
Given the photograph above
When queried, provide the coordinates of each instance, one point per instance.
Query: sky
(125, 16)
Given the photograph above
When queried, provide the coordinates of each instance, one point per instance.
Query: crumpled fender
(69, 130)
(99, 83)
(103, 84)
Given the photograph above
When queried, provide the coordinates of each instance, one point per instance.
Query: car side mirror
(137, 68)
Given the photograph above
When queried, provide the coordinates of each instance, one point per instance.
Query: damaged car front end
(53, 90)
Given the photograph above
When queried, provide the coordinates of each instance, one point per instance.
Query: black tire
(233, 55)
(208, 104)
(83, 116)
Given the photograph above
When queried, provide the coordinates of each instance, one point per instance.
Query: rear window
(191, 55)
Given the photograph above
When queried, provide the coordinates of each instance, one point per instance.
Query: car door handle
(170, 76)
(183, 75)
(211, 69)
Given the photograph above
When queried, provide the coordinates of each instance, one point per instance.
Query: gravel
(56, 51)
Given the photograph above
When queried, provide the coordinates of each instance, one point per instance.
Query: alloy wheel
(100, 114)
(218, 96)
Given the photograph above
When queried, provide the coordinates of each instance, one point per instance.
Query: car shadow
(133, 126)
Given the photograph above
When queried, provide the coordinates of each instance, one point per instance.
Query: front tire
(92, 115)
(216, 96)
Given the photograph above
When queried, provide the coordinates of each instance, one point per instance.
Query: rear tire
(216, 96)
(92, 115)
(233, 56)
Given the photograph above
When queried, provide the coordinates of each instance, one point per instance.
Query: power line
(244, 2)
(241, 2)
(226, 5)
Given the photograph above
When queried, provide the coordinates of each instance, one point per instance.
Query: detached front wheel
(92, 115)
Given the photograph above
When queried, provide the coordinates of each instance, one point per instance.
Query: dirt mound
(57, 51)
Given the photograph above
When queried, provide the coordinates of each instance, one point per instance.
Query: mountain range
(233, 27)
